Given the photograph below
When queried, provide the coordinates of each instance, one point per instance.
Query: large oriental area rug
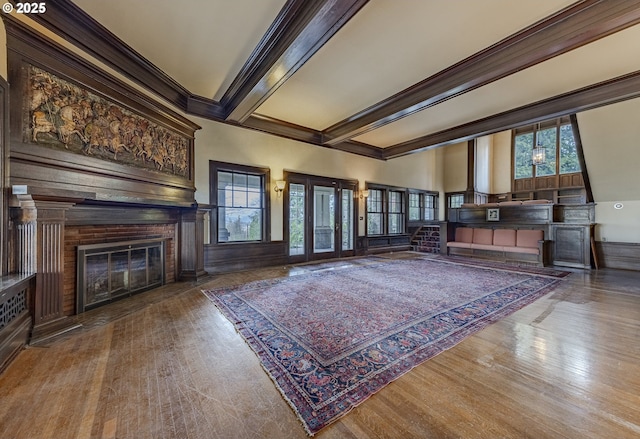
(332, 338)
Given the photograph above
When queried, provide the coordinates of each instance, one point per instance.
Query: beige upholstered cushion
(505, 237)
(510, 203)
(459, 244)
(529, 238)
(483, 236)
(464, 234)
(536, 202)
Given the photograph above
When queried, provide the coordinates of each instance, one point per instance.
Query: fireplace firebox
(110, 271)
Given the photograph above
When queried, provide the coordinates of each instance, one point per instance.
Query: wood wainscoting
(244, 256)
(621, 255)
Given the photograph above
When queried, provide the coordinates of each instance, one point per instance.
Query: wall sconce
(279, 187)
(364, 193)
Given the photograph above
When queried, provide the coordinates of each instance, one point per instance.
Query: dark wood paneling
(575, 214)
(583, 163)
(571, 245)
(16, 295)
(52, 172)
(621, 255)
(575, 26)
(4, 176)
(237, 257)
(120, 215)
(533, 214)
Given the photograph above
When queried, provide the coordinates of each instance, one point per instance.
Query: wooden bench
(503, 244)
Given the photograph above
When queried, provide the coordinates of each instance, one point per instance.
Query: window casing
(387, 210)
(240, 197)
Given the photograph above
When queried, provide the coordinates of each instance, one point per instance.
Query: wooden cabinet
(571, 245)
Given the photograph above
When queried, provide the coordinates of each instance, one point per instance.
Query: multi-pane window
(430, 207)
(455, 200)
(423, 206)
(568, 151)
(240, 199)
(556, 137)
(396, 212)
(375, 212)
(415, 207)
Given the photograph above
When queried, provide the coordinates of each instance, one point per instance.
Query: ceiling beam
(307, 135)
(300, 30)
(587, 98)
(568, 29)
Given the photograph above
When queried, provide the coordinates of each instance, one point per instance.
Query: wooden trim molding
(581, 160)
(570, 28)
(298, 32)
(587, 98)
(4, 176)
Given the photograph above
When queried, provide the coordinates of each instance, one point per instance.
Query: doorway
(320, 217)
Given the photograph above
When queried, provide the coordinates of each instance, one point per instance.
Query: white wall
(216, 141)
(501, 175)
(455, 167)
(611, 142)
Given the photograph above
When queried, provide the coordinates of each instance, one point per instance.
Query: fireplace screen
(111, 271)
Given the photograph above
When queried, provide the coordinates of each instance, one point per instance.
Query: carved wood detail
(79, 133)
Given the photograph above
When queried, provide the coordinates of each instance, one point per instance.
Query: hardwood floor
(167, 364)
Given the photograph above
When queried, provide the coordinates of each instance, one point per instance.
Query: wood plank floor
(167, 364)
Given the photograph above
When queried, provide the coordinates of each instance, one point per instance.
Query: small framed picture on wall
(493, 214)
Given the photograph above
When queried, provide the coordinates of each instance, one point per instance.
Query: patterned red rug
(331, 339)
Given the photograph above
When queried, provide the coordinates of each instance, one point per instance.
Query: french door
(320, 222)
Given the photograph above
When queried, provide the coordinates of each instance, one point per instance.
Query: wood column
(39, 242)
(191, 244)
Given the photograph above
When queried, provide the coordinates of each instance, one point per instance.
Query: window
(557, 138)
(455, 200)
(386, 210)
(375, 212)
(396, 213)
(568, 151)
(240, 196)
(423, 206)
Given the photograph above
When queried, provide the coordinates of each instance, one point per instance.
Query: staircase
(426, 239)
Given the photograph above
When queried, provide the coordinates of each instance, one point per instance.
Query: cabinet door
(571, 246)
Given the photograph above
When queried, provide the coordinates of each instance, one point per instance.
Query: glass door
(324, 221)
(321, 218)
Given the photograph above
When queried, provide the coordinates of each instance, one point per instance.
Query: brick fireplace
(88, 235)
